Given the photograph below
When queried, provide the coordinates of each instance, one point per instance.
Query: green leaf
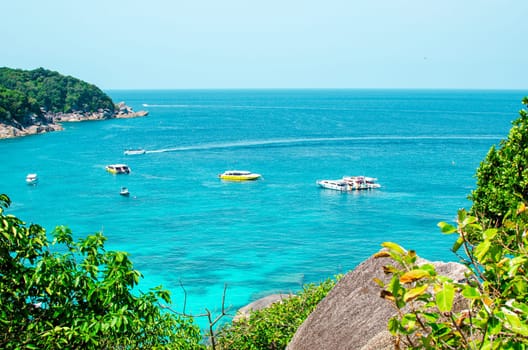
(489, 233)
(514, 323)
(431, 317)
(394, 247)
(446, 228)
(394, 325)
(430, 268)
(409, 322)
(470, 292)
(445, 297)
(515, 264)
(468, 220)
(481, 250)
(458, 243)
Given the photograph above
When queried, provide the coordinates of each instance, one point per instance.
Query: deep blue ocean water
(182, 225)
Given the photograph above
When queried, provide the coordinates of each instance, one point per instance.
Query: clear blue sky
(135, 44)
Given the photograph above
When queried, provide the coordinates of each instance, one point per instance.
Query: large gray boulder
(353, 315)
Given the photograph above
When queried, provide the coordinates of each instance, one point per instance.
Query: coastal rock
(121, 111)
(8, 131)
(53, 120)
(260, 304)
(124, 111)
(131, 114)
(353, 315)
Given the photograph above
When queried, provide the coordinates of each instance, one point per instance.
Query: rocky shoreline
(52, 121)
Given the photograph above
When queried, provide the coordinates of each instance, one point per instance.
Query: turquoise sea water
(181, 224)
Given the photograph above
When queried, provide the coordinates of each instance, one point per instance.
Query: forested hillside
(27, 94)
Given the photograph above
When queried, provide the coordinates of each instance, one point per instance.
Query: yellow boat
(118, 169)
(238, 175)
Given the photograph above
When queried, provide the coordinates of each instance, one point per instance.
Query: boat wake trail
(311, 108)
(317, 140)
(167, 106)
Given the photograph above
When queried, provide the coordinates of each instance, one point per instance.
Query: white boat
(124, 192)
(31, 179)
(239, 175)
(130, 152)
(350, 183)
(361, 182)
(118, 169)
(338, 185)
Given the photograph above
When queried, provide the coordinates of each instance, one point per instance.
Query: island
(38, 101)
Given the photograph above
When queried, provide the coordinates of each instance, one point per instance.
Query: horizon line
(319, 88)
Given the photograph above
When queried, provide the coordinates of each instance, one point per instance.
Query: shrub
(502, 178)
(273, 327)
(493, 299)
(77, 295)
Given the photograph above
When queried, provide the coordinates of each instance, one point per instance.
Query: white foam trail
(172, 106)
(255, 143)
(318, 108)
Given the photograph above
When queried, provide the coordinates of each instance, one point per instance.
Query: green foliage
(15, 105)
(24, 93)
(67, 294)
(273, 327)
(488, 309)
(502, 178)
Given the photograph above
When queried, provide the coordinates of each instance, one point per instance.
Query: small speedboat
(124, 192)
(31, 179)
(118, 169)
(131, 152)
(239, 175)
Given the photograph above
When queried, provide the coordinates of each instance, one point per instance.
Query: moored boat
(31, 179)
(350, 183)
(361, 182)
(130, 152)
(118, 169)
(338, 185)
(239, 175)
(124, 192)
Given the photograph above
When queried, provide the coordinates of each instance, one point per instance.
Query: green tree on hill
(24, 93)
(77, 295)
(14, 105)
(502, 178)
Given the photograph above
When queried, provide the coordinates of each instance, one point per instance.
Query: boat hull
(251, 177)
(132, 152)
(333, 185)
(239, 175)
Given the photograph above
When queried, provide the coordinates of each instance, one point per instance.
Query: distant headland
(38, 101)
